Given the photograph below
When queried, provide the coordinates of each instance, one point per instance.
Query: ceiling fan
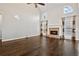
(36, 4)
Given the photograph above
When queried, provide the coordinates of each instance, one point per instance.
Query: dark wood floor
(39, 46)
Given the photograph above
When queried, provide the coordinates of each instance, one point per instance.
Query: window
(68, 10)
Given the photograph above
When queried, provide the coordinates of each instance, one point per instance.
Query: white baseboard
(3, 40)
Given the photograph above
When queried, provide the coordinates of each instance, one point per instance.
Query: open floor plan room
(39, 29)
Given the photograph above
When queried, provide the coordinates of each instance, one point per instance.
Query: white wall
(77, 24)
(19, 20)
(0, 26)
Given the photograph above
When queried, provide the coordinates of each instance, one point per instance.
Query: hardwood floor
(39, 46)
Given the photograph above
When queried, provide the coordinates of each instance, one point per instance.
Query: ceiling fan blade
(42, 4)
(28, 3)
(36, 6)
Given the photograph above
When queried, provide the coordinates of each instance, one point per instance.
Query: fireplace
(54, 32)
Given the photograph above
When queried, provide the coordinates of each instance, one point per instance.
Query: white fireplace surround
(54, 28)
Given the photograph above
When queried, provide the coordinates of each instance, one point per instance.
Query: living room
(39, 26)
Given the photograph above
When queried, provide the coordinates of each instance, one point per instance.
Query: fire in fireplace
(54, 32)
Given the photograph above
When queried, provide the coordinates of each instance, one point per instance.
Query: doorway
(44, 28)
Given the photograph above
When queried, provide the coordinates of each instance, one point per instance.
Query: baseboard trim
(3, 40)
